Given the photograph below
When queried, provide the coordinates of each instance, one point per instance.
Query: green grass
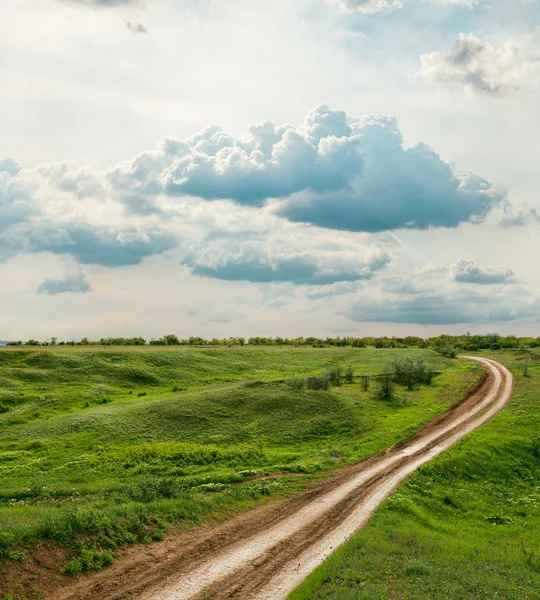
(465, 526)
(88, 462)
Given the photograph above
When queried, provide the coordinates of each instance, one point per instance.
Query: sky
(240, 167)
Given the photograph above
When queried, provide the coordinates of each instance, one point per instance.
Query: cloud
(98, 245)
(9, 166)
(482, 68)
(332, 171)
(303, 260)
(467, 271)
(368, 7)
(442, 309)
(76, 284)
(519, 219)
(16, 197)
(136, 27)
(436, 295)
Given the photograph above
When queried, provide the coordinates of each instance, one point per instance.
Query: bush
(333, 374)
(152, 488)
(536, 448)
(297, 382)
(349, 374)
(364, 382)
(318, 383)
(412, 372)
(446, 350)
(386, 389)
(89, 560)
(6, 539)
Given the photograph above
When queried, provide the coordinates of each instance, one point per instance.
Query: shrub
(412, 372)
(349, 374)
(318, 383)
(536, 448)
(446, 350)
(386, 389)
(364, 382)
(148, 489)
(297, 382)
(333, 374)
(6, 539)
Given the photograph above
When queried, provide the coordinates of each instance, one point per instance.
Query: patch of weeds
(416, 570)
(88, 560)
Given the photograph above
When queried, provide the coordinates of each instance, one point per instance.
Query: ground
(106, 447)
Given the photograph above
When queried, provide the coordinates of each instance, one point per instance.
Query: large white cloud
(333, 171)
(482, 68)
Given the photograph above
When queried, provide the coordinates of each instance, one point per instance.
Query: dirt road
(266, 553)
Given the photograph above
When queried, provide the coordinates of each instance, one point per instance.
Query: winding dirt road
(267, 552)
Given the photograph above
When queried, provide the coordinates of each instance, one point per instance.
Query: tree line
(445, 344)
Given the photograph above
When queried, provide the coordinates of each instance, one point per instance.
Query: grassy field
(465, 526)
(102, 447)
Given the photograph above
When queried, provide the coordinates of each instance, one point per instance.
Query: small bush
(349, 374)
(364, 382)
(141, 394)
(333, 374)
(148, 489)
(412, 372)
(318, 383)
(386, 389)
(89, 560)
(536, 448)
(446, 350)
(6, 539)
(297, 382)
(416, 570)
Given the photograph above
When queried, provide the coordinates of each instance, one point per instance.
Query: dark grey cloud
(76, 284)
(467, 271)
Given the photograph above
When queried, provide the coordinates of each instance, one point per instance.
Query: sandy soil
(267, 552)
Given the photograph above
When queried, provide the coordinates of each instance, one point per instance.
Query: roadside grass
(465, 526)
(95, 477)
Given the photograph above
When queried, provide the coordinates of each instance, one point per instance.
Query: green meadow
(103, 446)
(465, 526)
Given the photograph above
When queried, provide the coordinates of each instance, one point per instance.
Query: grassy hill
(101, 447)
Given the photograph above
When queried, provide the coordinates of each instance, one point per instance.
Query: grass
(90, 462)
(465, 526)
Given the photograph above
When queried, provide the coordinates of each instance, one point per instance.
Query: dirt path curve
(267, 552)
